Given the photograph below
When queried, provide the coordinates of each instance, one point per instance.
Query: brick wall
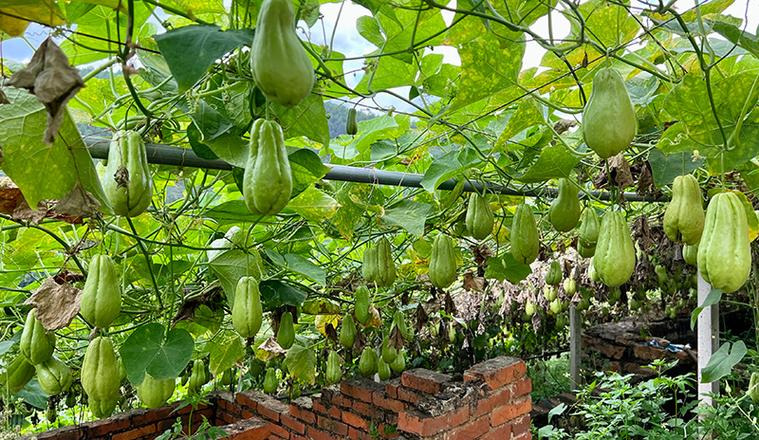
(491, 402)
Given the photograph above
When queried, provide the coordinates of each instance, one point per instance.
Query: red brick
(470, 430)
(342, 401)
(496, 372)
(293, 424)
(492, 400)
(355, 420)
(426, 381)
(386, 431)
(510, 411)
(364, 409)
(525, 436)
(409, 396)
(251, 429)
(332, 411)
(135, 433)
(107, 426)
(523, 387)
(520, 426)
(251, 399)
(272, 409)
(297, 437)
(392, 386)
(380, 399)
(360, 389)
(318, 434)
(416, 423)
(332, 426)
(71, 433)
(279, 430)
(355, 434)
(502, 432)
(301, 409)
(143, 417)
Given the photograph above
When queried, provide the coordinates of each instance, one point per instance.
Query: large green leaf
(409, 215)
(150, 349)
(225, 352)
(722, 361)
(66, 163)
(190, 50)
(298, 264)
(275, 294)
(301, 363)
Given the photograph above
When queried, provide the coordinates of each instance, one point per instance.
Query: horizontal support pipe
(185, 157)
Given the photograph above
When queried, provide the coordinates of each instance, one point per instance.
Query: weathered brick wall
(491, 402)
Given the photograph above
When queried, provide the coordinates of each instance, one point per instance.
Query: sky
(348, 41)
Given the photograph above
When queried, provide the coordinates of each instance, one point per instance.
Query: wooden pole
(575, 346)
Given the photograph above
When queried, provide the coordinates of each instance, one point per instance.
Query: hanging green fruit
(442, 270)
(592, 274)
(101, 295)
(399, 364)
(100, 371)
(525, 243)
(554, 274)
(247, 313)
(36, 343)
(127, 182)
(388, 350)
(351, 127)
(690, 254)
(53, 376)
(379, 267)
(281, 67)
(588, 232)
(565, 208)
(684, 217)
(753, 388)
(614, 260)
(362, 304)
(724, 253)
(155, 392)
(267, 180)
(286, 331)
(479, 217)
(609, 123)
(347, 332)
(102, 408)
(399, 321)
(334, 371)
(367, 363)
(383, 369)
(18, 373)
(570, 286)
(198, 376)
(270, 381)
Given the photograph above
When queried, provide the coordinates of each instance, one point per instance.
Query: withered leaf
(57, 304)
(50, 77)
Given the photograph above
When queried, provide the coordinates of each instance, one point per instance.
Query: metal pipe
(184, 157)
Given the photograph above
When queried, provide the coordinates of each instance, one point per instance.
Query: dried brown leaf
(57, 304)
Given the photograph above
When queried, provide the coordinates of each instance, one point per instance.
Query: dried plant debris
(57, 304)
(50, 77)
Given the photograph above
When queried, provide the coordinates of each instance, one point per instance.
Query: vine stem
(148, 260)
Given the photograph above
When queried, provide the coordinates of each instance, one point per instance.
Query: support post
(575, 346)
(708, 340)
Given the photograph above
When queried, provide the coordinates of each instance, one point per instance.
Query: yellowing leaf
(751, 216)
(321, 321)
(14, 19)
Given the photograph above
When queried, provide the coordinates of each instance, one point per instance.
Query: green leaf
(369, 131)
(712, 298)
(554, 161)
(722, 361)
(146, 350)
(306, 167)
(308, 119)
(666, 167)
(527, 114)
(231, 265)
(409, 215)
(314, 205)
(506, 267)
(225, 353)
(451, 164)
(67, 162)
(298, 264)
(748, 41)
(301, 363)
(190, 50)
(276, 293)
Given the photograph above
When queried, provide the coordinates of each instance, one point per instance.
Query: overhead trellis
(160, 154)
